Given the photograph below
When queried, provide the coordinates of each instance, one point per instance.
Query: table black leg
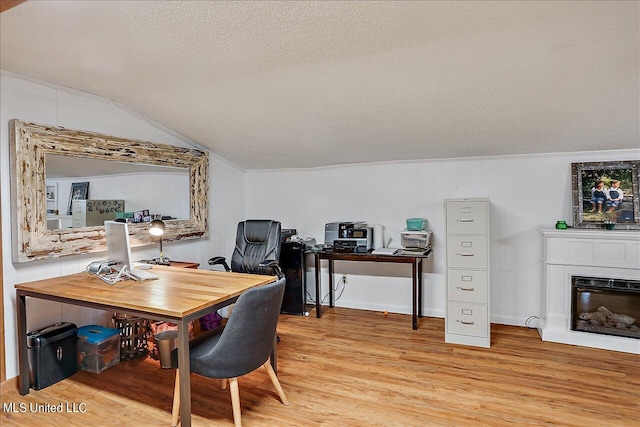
(318, 288)
(414, 317)
(330, 283)
(419, 287)
(23, 356)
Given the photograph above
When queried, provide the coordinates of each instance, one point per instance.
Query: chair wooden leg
(235, 401)
(175, 412)
(224, 384)
(276, 382)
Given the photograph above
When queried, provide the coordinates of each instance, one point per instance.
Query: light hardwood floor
(357, 368)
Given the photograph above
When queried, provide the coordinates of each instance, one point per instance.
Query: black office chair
(257, 249)
(243, 345)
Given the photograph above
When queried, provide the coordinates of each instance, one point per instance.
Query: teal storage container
(98, 348)
(416, 224)
(124, 215)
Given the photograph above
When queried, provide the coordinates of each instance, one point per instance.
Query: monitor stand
(112, 278)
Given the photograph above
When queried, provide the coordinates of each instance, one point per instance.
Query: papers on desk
(414, 251)
(386, 251)
(403, 251)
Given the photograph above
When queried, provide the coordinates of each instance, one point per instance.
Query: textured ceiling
(306, 84)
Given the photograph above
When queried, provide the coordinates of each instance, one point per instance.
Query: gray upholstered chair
(257, 248)
(243, 345)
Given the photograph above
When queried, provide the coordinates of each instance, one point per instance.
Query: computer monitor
(119, 254)
(118, 250)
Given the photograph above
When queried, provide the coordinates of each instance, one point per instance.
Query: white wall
(526, 192)
(31, 101)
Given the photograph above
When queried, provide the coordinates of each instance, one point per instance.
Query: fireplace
(578, 266)
(605, 306)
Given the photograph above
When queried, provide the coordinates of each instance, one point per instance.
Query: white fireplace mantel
(594, 253)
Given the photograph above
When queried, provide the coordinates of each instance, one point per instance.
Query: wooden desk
(416, 270)
(179, 295)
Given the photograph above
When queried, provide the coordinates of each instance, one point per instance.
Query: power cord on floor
(526, 322)
(344, 285)
(310, 298)
(342, 281)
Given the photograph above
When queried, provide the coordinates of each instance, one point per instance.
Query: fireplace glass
(605, 306)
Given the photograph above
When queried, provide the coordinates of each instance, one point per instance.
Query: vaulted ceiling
(308, 84)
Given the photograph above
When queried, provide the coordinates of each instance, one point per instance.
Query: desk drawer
(467, 217)
(469, 252)
(465, 318)
(467, 286)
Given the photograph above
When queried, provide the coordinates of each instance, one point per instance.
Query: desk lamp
(156, 228)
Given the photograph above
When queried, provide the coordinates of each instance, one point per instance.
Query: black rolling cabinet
(292, 263)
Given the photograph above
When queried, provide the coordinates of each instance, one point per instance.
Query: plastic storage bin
(416, 224)
(98, 348)
(415, 239)
(52, 354)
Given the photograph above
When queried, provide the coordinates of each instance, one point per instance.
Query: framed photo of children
(606, 193)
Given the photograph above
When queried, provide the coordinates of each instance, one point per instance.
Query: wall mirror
(37, 151)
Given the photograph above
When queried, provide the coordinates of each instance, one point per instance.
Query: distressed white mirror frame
(30, 142)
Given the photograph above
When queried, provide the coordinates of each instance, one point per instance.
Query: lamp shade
(156, 227)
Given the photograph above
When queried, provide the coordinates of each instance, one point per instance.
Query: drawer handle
(466, 289)
(465, 219)
(465, 254)
(467, 322)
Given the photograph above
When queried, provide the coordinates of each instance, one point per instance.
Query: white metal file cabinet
(467, 313)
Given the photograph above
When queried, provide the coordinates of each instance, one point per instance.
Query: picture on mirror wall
(606, 194)
(141, 216)
(79, 191)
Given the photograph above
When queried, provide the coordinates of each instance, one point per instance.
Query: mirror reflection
(32, 143)
(84, 192)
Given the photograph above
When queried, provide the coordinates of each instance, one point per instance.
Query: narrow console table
(184, 264)
(416, 270)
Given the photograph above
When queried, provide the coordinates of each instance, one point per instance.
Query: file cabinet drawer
(467, 319)
(467, 217)
(467, 252)
(467, 286)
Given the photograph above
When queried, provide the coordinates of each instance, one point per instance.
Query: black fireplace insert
(605, 306)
